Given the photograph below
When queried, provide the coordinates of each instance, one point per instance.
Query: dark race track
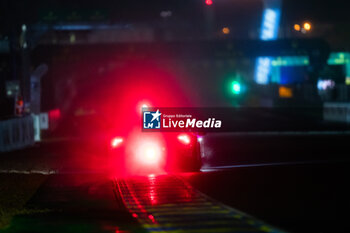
(298, 198)
(300, 190)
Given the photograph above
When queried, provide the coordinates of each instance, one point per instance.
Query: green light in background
(290, 61)
(236, 88)
(338, 58)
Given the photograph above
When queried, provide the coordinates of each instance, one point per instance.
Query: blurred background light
(208, 2)
(285, 92)
(225, 30)
(323, 85)
(307, 26)
(269, 31)
(236, 87)
(297, 27)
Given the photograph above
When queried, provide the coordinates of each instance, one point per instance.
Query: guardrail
(16, 133)
(338, 112)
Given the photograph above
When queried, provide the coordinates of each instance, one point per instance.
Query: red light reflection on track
(143, 194)
(156, 190)
(180, 208)
(152, 218)
(152, 192)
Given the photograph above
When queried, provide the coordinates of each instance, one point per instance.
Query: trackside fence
(16, 133)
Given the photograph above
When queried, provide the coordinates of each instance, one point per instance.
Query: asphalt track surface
(305, 190)
(168, 203)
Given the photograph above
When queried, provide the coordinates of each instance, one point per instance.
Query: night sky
(293, 10)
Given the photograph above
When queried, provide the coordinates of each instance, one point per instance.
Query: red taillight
(184, 138)
(143, 105)
(149, 153)
(116, 142)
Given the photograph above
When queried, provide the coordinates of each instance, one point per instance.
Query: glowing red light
(151, 218)
(116, 142)
(20, 102)
(149, 153)
(143, 104)
(54, 114)
(134, 215)
(119, 231)
(208, 2)
(184, 138)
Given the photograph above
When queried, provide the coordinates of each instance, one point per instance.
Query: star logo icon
(151, 119)
(156, 115)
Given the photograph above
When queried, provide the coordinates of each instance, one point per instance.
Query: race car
(117, 100)
(150, 152)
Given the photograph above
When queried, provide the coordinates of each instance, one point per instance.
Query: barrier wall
(16, 133)
(338, 112)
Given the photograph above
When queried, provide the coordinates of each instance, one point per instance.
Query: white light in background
(323, 85)
(269, 31)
